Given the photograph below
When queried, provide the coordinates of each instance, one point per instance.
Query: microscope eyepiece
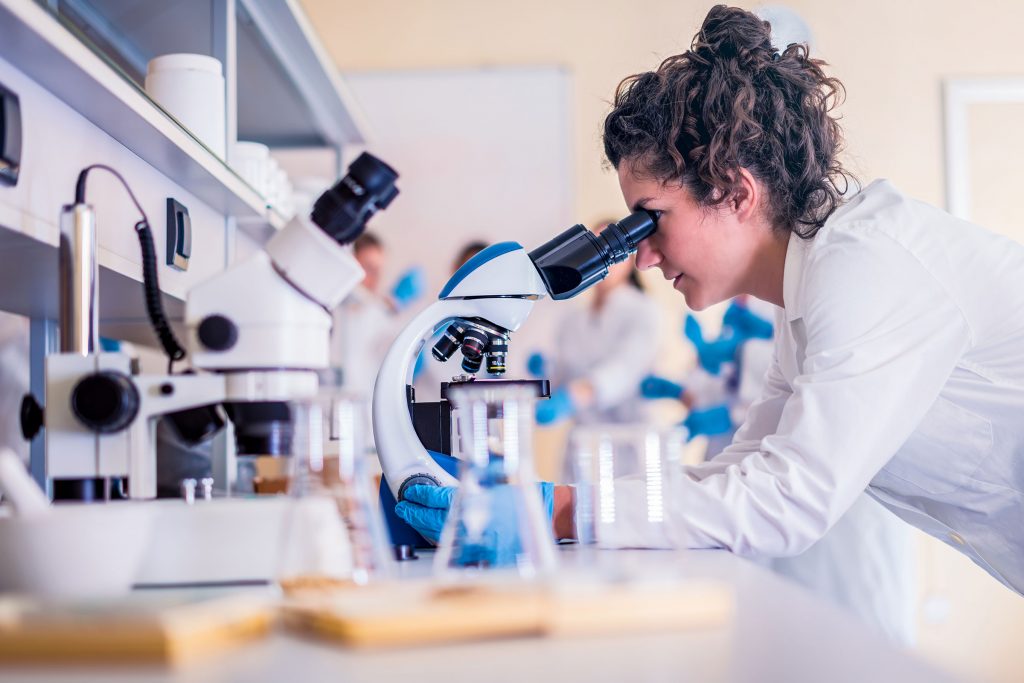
(577, 259)
(343, 211)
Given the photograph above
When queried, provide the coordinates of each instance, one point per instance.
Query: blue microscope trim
(490, 253)
(401, 533)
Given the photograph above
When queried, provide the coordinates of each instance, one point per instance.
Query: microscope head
(562, 267)
(577, 259)
(343, 210)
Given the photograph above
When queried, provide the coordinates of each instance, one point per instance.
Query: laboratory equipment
(496, 519)
(257, 335)
(334, 531)
(55, 552)
(483, 303)
(624, 478)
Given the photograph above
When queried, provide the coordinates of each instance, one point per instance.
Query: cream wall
(892, 57)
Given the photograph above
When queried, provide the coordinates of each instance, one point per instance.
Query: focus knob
(31, 417)
(217, 333)
(105, 402)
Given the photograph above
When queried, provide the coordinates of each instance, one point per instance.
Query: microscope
(479, 308)
(257, 335)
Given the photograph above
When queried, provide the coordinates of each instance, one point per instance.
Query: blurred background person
(602, 351)
(367, 321)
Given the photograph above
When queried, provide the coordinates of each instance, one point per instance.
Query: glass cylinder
(497, 519)
(625, 477)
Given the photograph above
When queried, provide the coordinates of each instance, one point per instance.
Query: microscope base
(238, 541)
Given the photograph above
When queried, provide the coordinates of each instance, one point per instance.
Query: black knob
(31, 417)
(217, 333)
(105, 402)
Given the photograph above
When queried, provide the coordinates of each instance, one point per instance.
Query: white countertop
(780, 633)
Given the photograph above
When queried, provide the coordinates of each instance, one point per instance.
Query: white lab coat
(865, 563)
(363, 329)
(614, 349)
(898, 368)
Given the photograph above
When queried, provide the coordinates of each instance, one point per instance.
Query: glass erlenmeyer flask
(347, 459)
(496, 520)
(333, 532)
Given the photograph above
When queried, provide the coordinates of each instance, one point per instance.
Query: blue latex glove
(711, 355)
(746, 323)
(409, 287)
(653, 386)
(109, 345)
(425, 509)
(709, 421)
(536, 365)
(557, 408)
(692, 331)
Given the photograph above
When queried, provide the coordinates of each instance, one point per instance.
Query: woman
(893, 371)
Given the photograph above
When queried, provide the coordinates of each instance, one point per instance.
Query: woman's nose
(646, 255)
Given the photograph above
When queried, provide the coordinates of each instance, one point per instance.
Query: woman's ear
(747, 197)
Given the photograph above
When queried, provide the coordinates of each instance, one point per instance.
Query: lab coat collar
(792, 275)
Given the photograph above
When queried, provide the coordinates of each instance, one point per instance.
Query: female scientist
(893, 371)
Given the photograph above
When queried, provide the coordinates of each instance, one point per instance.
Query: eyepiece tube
(577, 259)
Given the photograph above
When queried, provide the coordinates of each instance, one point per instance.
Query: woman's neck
(767, 278)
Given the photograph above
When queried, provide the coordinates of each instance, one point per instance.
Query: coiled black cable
(150, 281)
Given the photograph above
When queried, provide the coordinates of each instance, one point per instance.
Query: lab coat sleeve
(762, 419)
(617, 378)
(878, 338)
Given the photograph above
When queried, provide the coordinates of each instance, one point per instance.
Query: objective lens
(497, 351)
(448, 343)
(496, 363)
(474, 343)
(472, 365)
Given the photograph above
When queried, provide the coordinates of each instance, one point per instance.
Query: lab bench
(779, 632)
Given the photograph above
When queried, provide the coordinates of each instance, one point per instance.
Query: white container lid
(252, 150)
(184, 62)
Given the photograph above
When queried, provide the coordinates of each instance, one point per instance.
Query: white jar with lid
(251, 160)
(191, 88)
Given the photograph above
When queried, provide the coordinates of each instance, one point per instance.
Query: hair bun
(730, 32)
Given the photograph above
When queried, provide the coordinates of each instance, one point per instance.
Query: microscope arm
(403, 457)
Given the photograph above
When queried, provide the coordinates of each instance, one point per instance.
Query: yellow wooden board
(141, 628)
(419, 613)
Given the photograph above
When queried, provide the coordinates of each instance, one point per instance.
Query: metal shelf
(35, 43)
(329, 116)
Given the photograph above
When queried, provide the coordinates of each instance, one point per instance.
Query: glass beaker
(497, 519)
(334, 531)
(625, 477)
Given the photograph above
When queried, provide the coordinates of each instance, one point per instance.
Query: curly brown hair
(729, 102)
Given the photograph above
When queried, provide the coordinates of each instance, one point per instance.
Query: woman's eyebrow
(641, 204)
